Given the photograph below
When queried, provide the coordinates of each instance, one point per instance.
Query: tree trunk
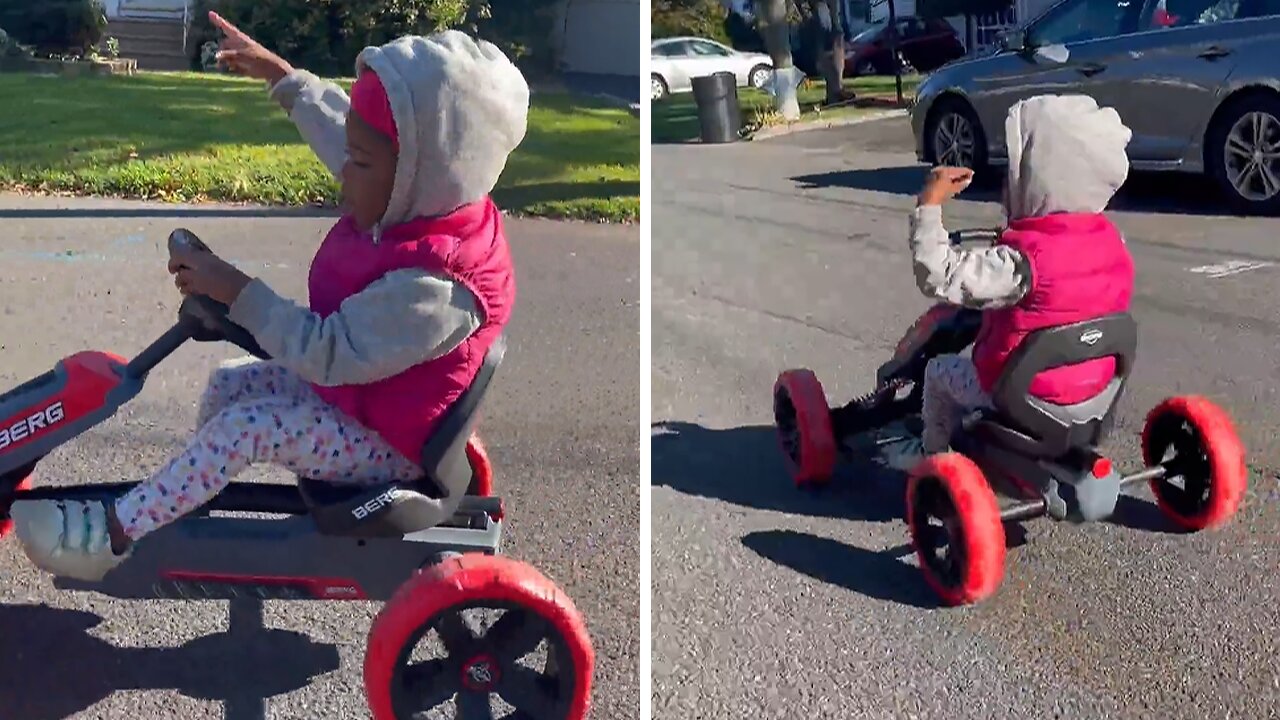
(832, 51)
(777, 40)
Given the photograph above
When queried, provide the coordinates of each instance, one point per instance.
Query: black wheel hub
(784, 418)
(939, 537)
(1177, 445)
(479, 667)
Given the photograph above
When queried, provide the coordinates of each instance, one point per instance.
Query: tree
(776, 29)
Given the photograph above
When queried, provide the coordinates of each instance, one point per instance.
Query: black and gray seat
(1032, 427)
(394, 509)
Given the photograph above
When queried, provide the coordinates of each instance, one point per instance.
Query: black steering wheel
(207, 318)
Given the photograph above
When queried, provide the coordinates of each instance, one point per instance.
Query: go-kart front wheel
(955, 525)
(6, 525)
(802, 419)
(1207, 475)
(536, 656)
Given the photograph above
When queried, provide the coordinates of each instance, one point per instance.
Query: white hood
(460, 107)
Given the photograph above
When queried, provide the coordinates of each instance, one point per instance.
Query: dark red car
(925, 44)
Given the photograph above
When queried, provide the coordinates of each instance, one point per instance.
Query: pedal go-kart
(1042, 458)
(336, 542)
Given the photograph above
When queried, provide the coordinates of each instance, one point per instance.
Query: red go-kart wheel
(1196, 440)
(481, 469)
(478, 664)
(955, 526)
(6, 525)
(803, 422)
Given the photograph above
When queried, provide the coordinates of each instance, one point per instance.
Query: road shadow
(51, 667)
(1162, 193)
(1138, 514)
(744, 466)
(879, 575)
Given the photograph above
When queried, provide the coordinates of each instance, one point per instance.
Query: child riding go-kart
(427, 548)
(1045, 310)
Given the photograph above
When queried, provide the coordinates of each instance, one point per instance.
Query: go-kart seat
(1035, 428)
(395, 509)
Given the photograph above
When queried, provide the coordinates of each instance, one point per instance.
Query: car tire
(658, 90)
(1244, 191)
(759, 76)
(865, 68)
(953, 113)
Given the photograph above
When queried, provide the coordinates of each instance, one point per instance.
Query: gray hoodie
(460, 109)
(1066, 155)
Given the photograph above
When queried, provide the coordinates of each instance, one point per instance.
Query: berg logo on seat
(384, 499)
(31, 425)
(1091, 337)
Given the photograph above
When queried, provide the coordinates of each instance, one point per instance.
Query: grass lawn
(185, 137)
(676, 119)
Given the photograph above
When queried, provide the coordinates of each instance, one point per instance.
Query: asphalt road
(560, 424)
(771, 603)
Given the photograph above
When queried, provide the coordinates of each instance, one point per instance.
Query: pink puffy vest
(467, 245)
(1080, 270)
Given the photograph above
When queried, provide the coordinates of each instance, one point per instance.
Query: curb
(805, 126)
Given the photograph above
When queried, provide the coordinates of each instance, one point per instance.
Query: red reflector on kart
(1101, 467)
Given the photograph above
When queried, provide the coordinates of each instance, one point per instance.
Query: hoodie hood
(460, 109)
(1066, 155)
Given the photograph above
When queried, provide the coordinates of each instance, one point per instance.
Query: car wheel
(864, 68)
(954, 136)
(1243, 149)
(759, 76)
(658, 90)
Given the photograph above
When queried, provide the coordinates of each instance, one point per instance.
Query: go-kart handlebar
(986, 235)
(207, 318)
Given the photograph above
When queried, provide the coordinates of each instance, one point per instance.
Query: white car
(676, 61)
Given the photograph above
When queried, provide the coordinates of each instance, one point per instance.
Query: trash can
(719, 116)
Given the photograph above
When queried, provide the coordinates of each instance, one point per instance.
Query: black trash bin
(719, 116)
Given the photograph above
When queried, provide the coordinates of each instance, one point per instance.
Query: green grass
(190, 137)
(676, 119)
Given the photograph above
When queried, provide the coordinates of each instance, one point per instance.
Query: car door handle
(1091, 69)
(1214, 52)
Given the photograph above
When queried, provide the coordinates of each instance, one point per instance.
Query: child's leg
(310, 438)
(245, 379)
(951, 389)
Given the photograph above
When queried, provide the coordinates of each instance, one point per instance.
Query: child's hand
(945, 183)
(202, 273)
(240, 53)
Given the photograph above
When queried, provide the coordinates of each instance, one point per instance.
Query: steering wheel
(207, 318)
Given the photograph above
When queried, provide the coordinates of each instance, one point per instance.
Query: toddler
(1059, 261)
(407, 292)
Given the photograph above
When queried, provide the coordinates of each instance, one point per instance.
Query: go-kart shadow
(1144, 192)
(881, 575)
(52, 668)
(744, 466)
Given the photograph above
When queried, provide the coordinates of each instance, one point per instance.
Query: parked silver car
(1198, 82)
(676, 61)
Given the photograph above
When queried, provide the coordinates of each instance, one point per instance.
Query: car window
(1182, 13)
(671, 49)
(1083, 20)
(705, 49)
(910, 27)
(938, 25)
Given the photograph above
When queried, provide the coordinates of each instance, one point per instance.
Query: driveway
(772, 603)
(559, 423)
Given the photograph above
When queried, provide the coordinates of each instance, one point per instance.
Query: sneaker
(904, 454)
(68, 538)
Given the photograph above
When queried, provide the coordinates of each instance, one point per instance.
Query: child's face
(369, 174)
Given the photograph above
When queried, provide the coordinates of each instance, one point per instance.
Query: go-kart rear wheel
(803, 422)
(6, 525)
(477, 665)
(1208, 476)
(955, 525)
(481, 469)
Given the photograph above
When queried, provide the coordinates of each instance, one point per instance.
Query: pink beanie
(369, 101)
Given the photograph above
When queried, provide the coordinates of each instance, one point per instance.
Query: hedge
(55, 27)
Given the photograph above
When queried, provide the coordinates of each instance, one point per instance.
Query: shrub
(325, 36)
(700, 18)
(55, 27)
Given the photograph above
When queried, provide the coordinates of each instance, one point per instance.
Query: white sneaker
(904, 454)
(68, 538)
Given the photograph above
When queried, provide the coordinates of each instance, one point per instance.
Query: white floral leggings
(951, 391)
(259, 412)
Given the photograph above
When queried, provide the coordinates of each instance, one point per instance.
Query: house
(599, 37)
(154, 32)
